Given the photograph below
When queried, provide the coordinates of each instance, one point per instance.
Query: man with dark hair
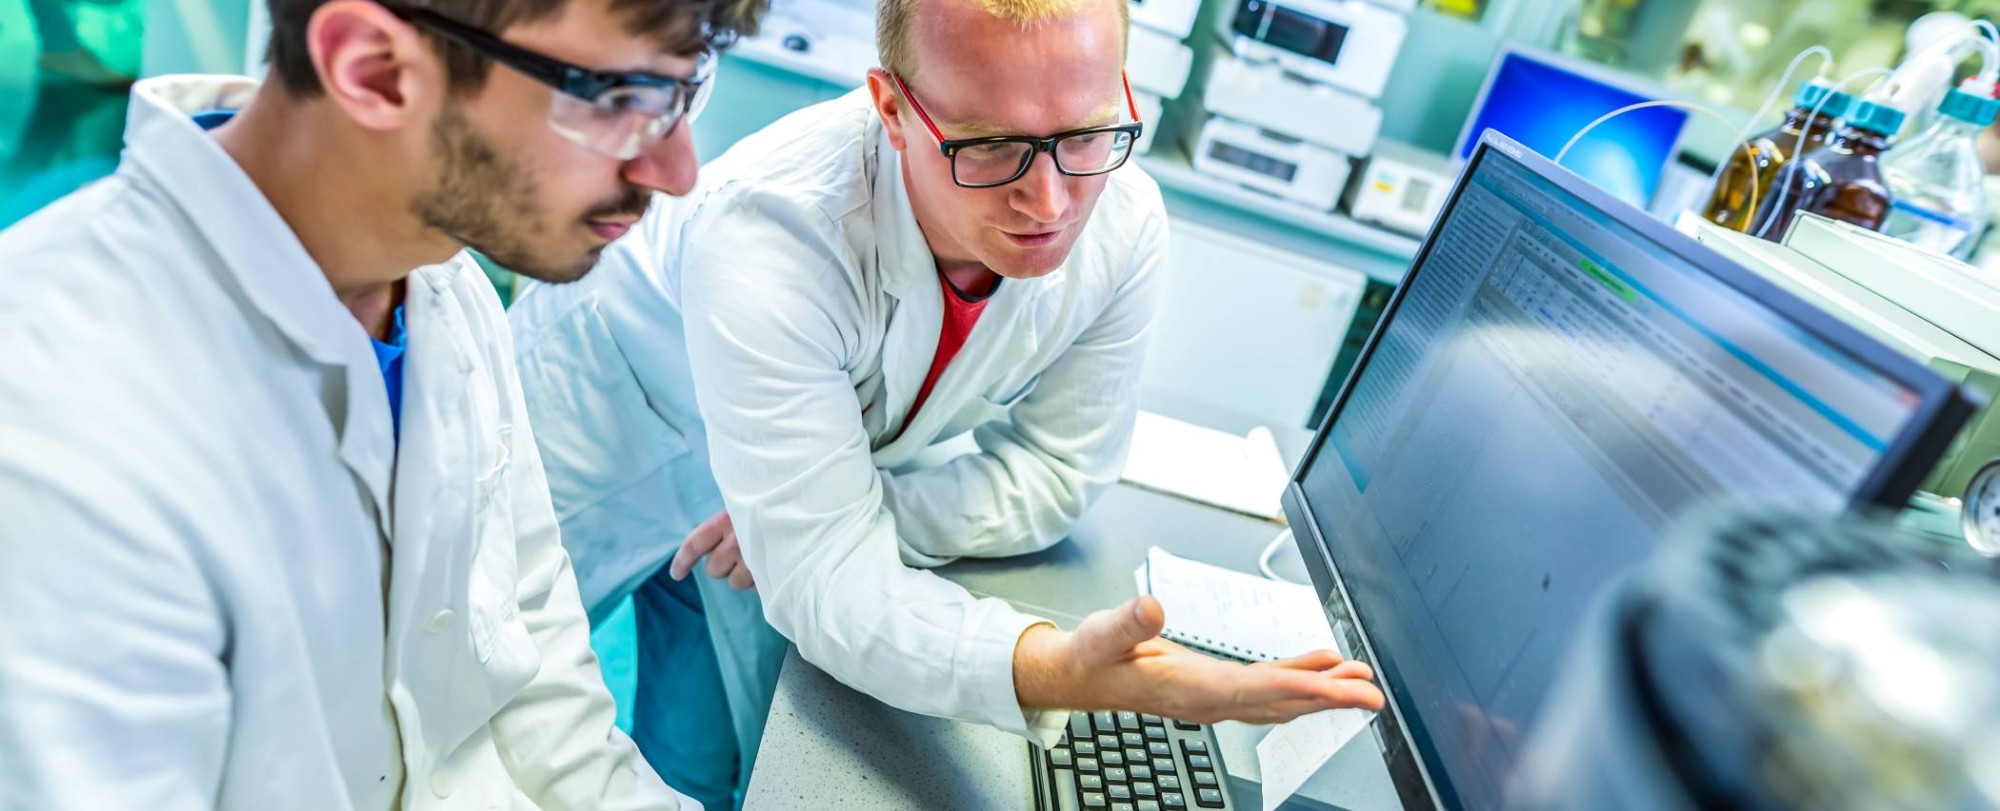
(274, 531)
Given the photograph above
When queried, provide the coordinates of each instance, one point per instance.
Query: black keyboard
(1125, 761)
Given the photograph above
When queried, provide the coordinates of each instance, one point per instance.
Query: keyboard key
(1079, 726)
(1090, 782)
(1140, 771)
(1208, 798)
(1062, 758)
(1065, 787)
(1113, 774)
(1199, 762)
(1135, 739)
(1156, 733)
(1120, 792)
(1148, 805)
(1085, 748)
(1145, 790)
(1170, 782)
(1102, 720)
(1163, 765)
(1152, 720)
(1113, 758)
(1107, 741)
(1186, 725)
(1087, 765)
(1135, 756)
(1160, 749)
(1195, 747)
(1121, 807)
(1095, 799)
(1171, 799)
(1204, 779)
(1128, 720)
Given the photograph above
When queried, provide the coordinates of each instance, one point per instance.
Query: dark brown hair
(681, 26)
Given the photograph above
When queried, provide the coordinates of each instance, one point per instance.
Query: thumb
(1113, 632)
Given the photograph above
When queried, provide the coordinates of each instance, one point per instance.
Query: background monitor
(1557, 379)
(1541, 100)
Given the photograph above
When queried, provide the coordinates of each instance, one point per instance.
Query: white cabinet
(1248, 327)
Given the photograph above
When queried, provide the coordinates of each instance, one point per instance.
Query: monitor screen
(1554, 383)
(1541, 102)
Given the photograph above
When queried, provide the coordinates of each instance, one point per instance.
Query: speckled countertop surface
(828, 746)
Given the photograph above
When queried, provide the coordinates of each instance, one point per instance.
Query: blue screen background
(1543, 106)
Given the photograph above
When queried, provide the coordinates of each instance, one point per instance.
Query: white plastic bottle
(1936, 179)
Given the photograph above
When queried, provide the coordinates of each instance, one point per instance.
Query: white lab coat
(774, 327)
(206, 600)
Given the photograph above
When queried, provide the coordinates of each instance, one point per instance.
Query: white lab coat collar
(263, 256)
(909, 273)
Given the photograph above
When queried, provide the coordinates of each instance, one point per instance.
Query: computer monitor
(1558, 377)
(1541, 100)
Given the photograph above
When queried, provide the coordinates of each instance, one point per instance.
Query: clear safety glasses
(982, 163)
(619, 115)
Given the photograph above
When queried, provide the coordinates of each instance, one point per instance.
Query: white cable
(1270, 553)
(1989, 71)
(1684, 105)
(1784, 83)
(1781, 179)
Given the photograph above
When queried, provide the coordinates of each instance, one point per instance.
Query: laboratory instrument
(1264, 97)
(1157, 64)
(1558, 378)
(1175, 18)
(1303, 173)
(1944, 291)
(1400, 188)
(1349, 44)
(1884, 319)
(1980, 513)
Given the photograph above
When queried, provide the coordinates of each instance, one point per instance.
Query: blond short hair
(892, 23)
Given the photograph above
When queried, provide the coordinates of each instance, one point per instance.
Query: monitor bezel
(1941, 409)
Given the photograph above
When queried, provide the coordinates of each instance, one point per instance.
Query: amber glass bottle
(1801, 133)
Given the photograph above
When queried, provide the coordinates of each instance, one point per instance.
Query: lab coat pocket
(500, 637)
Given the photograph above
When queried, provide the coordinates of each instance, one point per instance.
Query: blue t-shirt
(389, 355)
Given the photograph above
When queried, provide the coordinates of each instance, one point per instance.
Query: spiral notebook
(1232, 614)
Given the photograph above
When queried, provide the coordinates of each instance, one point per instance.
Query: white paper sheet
(1241, 473)
(1293, 752)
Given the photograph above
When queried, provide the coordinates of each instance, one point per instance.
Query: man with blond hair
(752, 376)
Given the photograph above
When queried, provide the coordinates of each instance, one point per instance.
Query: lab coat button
(441, 621)
(441, 785)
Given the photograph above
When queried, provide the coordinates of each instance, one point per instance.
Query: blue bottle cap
(1811, 93)
(1970, 108)
(1875, 117)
